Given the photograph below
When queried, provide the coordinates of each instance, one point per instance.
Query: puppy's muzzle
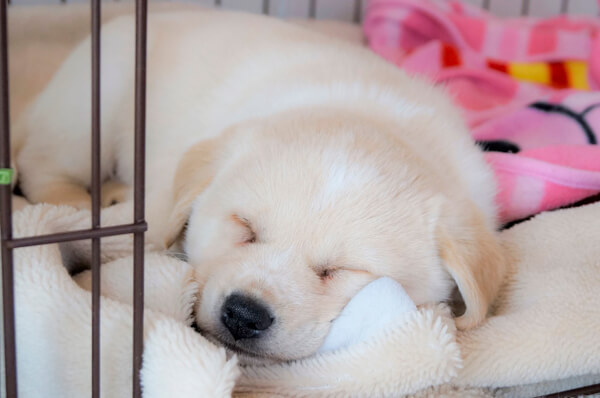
(245, 317)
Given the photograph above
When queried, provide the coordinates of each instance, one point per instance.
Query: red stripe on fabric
(450, 56)
(499, 66)
(558, 75)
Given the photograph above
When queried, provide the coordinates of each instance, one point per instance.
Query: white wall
(349, 10)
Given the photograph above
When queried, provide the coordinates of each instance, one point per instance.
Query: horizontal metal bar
(77, 235)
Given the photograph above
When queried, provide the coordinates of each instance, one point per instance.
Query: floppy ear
(194, 172)
(476, 262)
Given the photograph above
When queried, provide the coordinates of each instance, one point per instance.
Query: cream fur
(172, 278)
(284, 118)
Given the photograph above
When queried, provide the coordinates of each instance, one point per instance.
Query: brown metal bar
(525, 6)
(138, 311)
(312, 9)
(95, 193)
(8, 310)
(266, 6)
(76, 235)
(141, 22)
(357, 11)
(577, 392)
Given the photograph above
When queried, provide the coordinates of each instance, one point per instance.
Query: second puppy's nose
(245, 317)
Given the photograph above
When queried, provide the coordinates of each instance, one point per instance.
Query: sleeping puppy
(292, 169)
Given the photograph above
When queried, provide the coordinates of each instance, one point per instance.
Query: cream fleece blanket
(53, 324)
(543, 337)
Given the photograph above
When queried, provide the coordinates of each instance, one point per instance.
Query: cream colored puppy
(303, 166)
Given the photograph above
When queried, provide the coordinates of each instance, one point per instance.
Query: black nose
(245, 317)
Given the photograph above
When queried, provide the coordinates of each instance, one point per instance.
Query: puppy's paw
(19, 203)
(466, 322)
(113, 192)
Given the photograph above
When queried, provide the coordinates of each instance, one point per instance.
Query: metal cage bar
(77, 235)
(141, 21)
(312, 9)
(138, 227)
(8, 310)
(95, 193)
(357, 12)
(525, 7)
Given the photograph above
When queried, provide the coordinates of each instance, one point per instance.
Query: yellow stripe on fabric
(536, 72)
(577, 71)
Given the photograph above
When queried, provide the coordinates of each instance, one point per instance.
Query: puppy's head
(288, 219)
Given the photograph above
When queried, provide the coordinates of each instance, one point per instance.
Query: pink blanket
(526, 87)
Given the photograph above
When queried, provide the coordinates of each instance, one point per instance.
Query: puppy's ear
(475, 260)
(194, 172)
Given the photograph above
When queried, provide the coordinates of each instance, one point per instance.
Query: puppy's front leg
(60, 192)
(114, 192)
(71, 194)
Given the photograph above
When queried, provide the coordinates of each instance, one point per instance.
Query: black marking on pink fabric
(579, 118)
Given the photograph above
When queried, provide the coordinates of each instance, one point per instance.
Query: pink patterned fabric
(542, 139)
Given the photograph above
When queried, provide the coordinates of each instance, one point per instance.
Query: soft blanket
(542, 337)
(53, 325)
(523, 85)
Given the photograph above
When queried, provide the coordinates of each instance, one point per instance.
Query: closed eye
(248, 235)
(326, 274)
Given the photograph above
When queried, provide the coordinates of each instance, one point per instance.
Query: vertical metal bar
(95, 191)
(564, 6)
(218, 3)
(266, 6)
(357, 11)
(312, 9)
(524, 7)
(8, 310)
(486, 4)
(141, 20)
